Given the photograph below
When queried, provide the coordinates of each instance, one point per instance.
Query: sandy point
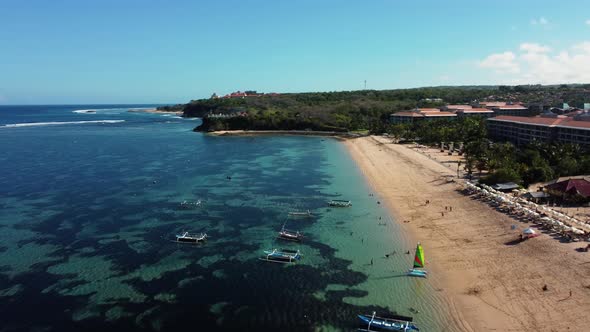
(488, 283)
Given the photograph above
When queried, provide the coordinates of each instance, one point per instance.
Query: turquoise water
(89, 209)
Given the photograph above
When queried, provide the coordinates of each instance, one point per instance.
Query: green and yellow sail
(419, 258)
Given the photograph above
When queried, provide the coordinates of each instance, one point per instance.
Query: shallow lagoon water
(88, 212)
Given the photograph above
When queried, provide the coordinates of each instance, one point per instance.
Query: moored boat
(300, 213)
(186, 237)
(394, 323)
(281, 256)
(190, 205)
(340, 203)
(289, 235)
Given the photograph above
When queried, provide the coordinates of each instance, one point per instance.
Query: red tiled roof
(459, 107)
(441, 113)
(572, 186)
(572, 123)
(563, 122)
(477, 110)
(529, 120)
(510, 107)
(492, 103)
(407, 113)
(428, 110)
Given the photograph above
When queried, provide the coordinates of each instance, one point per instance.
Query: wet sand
(489, 281)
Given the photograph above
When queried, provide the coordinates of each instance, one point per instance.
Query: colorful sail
(419, 258)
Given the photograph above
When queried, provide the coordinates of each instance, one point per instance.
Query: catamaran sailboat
(418, 263)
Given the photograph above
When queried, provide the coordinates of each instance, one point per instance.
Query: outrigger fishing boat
(300, 213)
(190, 205)
(186, 237)
(285, 234)
(281, 256)
(418, 263)
(340, 203)
(395, 323)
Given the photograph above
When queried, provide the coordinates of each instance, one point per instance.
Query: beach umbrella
(528, 231)
(577, 231)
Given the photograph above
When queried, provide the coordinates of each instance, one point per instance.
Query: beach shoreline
(486, 283)
(279, 132)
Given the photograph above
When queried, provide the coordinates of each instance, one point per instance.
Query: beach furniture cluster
(541, 215)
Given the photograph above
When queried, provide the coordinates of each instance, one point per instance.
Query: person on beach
(442, 214)
(450, 209)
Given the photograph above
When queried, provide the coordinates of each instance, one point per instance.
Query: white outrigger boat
(281, 256)
(395, 323)
(186, 237)
(190, 205)
(300, 213)
(285, 234)
(340, 203)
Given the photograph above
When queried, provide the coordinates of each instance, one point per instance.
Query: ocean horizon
(91, 202)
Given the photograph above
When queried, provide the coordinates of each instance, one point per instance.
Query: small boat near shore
(300, 213)
(187, 237)
(340, 203)
(418, 263)
(289, 235)
(281, 256)
(394, 323)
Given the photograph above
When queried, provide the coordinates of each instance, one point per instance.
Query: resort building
(548, 127)
(570, 190)
(516, 110)
(455, 108)
(421, 114)
(481, 112)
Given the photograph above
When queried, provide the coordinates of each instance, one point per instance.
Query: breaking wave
(39, 124)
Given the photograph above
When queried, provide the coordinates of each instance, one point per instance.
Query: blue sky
(55, 52)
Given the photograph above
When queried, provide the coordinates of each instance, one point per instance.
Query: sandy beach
(489, 282)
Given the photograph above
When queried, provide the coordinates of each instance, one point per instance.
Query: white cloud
(538, 64)
(534, 48)
(501, 62)
(539, 21)
(588, 22)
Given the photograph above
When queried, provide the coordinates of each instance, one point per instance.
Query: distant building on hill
(247, 93)
(432, 100)
(548, 127)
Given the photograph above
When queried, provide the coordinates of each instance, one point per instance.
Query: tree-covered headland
(369, 110)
